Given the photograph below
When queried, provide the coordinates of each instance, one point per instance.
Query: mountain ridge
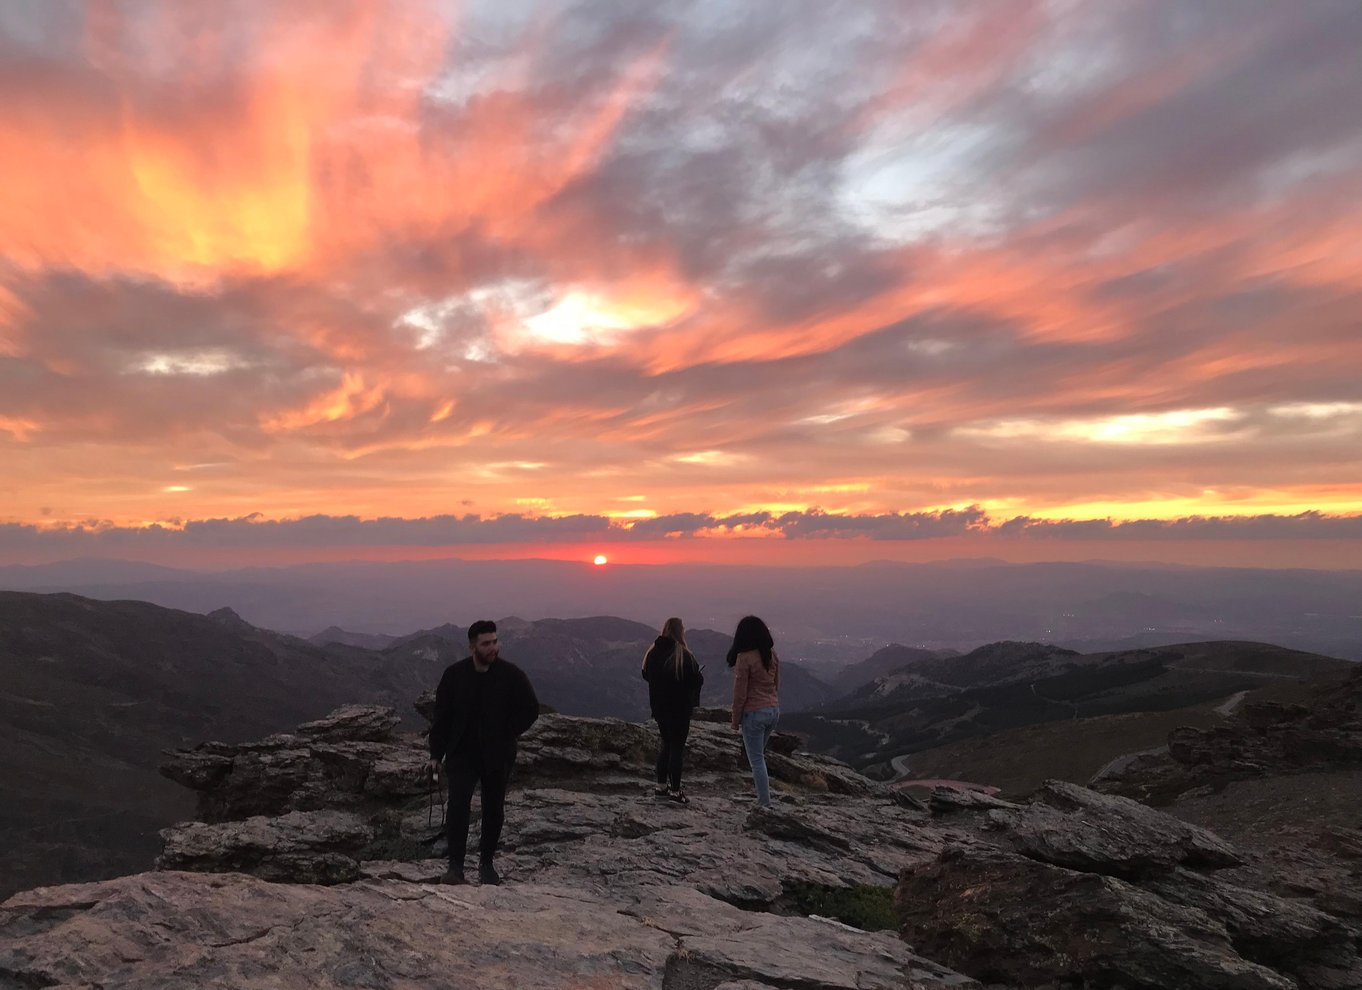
(832, 612)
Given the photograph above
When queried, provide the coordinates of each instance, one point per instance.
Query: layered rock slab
(171, 930)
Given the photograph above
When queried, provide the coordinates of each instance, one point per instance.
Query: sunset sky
(775, 281)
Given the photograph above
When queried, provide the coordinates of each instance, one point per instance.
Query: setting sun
(599, 560)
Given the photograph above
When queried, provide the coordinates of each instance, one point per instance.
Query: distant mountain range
(821, 615)
(335, 634)
(592, 666)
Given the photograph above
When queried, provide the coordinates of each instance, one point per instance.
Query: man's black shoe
(454, 876)
(487, 874)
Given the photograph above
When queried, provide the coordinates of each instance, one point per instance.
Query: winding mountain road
(902, 780)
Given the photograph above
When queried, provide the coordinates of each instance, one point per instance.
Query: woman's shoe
(678, 796)
(661, 791)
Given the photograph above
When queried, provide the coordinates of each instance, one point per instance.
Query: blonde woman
(674, 681)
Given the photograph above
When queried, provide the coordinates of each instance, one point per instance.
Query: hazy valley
(829, 616)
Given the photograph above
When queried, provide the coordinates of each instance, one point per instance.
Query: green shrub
(868, 908)
(393, 846)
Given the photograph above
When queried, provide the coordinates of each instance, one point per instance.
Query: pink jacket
(753, 685)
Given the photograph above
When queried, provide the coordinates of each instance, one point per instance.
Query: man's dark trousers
(466, 769)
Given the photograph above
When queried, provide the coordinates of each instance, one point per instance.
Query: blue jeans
(757, 727)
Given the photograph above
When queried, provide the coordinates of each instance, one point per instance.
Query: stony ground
(317, 868)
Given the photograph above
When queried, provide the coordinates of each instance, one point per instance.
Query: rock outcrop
(1259, 740)
(1085, 889)
(316, 860)
(1285, 781)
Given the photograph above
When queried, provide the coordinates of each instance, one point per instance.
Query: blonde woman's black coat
(670, 697)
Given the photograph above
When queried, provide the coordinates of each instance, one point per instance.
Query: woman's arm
(739, 692)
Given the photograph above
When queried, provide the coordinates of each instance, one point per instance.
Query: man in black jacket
(482, 705)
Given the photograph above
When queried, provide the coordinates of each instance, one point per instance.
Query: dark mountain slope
(881, 663)
(94, 691)
(1004, 686)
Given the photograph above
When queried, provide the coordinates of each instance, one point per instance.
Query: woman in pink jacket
(756, 696)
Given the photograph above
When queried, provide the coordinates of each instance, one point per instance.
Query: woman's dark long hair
(751, 634)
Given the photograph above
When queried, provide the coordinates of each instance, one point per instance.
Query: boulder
(1072, 826)
(953, 800)
(1004, 918)
(304, 847)
(373, 723)
(1287, 934)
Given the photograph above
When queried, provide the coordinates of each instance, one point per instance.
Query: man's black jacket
(484, 712)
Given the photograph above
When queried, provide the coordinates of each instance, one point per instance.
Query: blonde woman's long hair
(673, 629)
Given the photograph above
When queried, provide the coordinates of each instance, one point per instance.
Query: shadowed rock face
(315, 861)
(1087, 887)
(1016, 920)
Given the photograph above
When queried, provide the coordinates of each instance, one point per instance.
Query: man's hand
(435, 768)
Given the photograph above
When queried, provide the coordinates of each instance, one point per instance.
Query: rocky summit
(316, 856)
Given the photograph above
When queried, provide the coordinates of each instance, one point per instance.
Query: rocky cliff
(315, 854)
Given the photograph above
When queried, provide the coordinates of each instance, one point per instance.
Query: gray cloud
(1304, 526)
(253, 532)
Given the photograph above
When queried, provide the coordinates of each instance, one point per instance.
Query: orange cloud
(349, 257)
(320, 145)
(351, 399)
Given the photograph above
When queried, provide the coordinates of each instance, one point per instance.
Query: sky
(789, 281)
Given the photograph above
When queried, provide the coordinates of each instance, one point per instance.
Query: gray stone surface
(608, 886)
(159, 931)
